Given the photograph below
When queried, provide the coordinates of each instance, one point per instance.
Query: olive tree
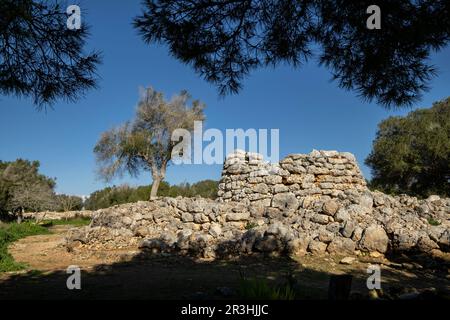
(146, 142)
(23, 188)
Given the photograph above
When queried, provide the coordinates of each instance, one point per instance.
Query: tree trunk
(155, 186)
(20, 215)
(158, 175)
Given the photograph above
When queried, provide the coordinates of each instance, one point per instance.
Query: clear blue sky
(310, 111)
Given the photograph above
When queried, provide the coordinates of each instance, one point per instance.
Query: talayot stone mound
(321, 173)
(317, 203)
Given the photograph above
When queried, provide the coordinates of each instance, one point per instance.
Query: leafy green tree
(111, 196)
(66, 203)
(97, 200)
(23, 188)
(205, 188)
(411, 154)
(146, 143)
(225, 40)
(39, 56)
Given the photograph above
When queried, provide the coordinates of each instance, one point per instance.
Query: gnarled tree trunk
(155, 185)
(158, 175)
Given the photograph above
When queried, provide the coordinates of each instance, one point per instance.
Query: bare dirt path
(48, 253)
(131, 274)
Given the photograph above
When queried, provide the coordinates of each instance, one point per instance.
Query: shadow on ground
(175, 276)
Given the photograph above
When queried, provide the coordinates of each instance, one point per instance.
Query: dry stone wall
(247, 177)
(51, 215)
(315, 204)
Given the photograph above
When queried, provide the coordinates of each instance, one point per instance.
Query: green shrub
(250, 225)
(433, 222)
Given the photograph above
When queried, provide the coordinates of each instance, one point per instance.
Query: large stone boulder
(285, 201)
(375, 239)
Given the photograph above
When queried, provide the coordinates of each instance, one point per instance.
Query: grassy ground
(77, 222)
(12, 232)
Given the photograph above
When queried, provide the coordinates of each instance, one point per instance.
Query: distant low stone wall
(316, 203)
(58, 215)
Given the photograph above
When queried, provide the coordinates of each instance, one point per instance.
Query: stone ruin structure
(248, 178)
(307, 204)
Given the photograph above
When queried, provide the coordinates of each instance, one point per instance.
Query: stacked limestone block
(51, 215)
(247, 177)
(352, 223)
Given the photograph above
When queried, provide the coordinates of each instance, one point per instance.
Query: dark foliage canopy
(111, 196)
(39, 56)
(412, 154)
(224, 40)
(22, 187)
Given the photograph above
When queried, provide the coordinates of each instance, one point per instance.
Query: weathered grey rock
(156, 245)
(358, 210)
(269, 243)
(341, 246)
(347, 260)
(215, 230)
(357, 234)
(320, 219)
(273, 179)
(375, 239)
(317, 247)
(249, 239)
(405, 240)
(183, 238)
(187, 217)
(200, 218)
(257, 210)
(349, 227)
(261, 188)
(298, 246)
(433, 198)
(142, 231)
(425, 244)
(444, 239)
(280, 188)
(342, 215)
(285, 201)
(330, 207)
(273, 213)
(366, 201)
(326, 237)
(334, 227)
(277, 229)
(238, 216)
